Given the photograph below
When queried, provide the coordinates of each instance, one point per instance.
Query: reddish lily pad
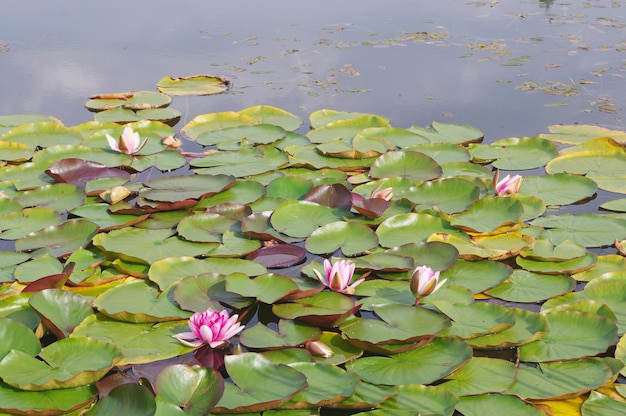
(78, 172)
(278, 256)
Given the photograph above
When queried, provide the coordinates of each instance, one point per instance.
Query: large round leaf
(345, 128)
(412, 398)
(413, 165)
(476, 275)
(560, 378)
(524, 286)
(139, 302)
(241, 163)
(352, 238)
(139, 343)
(288, 334)
(397, 324)
(324, 309)
(67, 363)
(423, 365)
(47, 402)
(179, 188)
(42, 134)
(60, 310)
(559, 188)
(58, 240)
(147, 246)
(193, 85)
(475, 319)
(60, 197)
(16, 336)
(589, 230)
(326, 384)
(409, 228)
(185, 390)
(272, 115)
(488, 214)
(450, 195)
(251, 391)
(301, 218)
(449, 133)
(573, 334)
(125, 398)
(487, 404)
(516, 153)
(481, 375)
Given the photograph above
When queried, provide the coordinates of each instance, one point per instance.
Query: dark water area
(413, 62)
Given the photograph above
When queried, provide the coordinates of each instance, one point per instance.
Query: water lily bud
(425, 281)
(319, 349)
(508, 185)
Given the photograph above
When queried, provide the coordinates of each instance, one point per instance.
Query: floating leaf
(352, 238)
(412, 165)
(194, 85)
(516, 153)
(288, 334)
(187, 390)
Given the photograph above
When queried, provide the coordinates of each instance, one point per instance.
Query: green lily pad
(60, 310)
(598, 404)
(475, 319)
(493, 247)
(560, 378)
(301, 218)
(529, 326)
(208, 290)
(442, 153)
(206, 123)
(48, 402)
(20, 223)
(572, 334)
(101, 215)
(139, 343)
(251, 391)
(516, 153)
(524, 286)
(408, 228)
(557, 267)
(559, 188)
(204, 227)
(288, 334)
(67, 363)
(326, 384)
(139, 302)
(241, 163)
(58, 240)
(589, 161)
(323, 117)
(604, 264)
(417, 398)
(16, 152)
(323, 309)
(186, 390)
(133, 398)
(476, 275)
(17, 336)
(495, 403)
(449, 133)
(134, 100)
(488, 214)
(450, 195)
(179, 188)
(342, 350)
(397, 324)
(272, 115)
(194, 85)
(412, 165)
(588, 230)
(481, 375)
(42, 134)
(422, 365)
(147, 246)
(231, 138)
(352, 238)
(580, 133)
(345, 128)
(61, 197)
(267, 288)
(35, 269)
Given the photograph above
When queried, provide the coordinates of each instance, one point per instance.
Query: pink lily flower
(128, 143)
(337, 276)
(425, 281)
(509, 185)
(210, 327)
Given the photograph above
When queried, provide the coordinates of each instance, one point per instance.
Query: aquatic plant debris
(110, 257)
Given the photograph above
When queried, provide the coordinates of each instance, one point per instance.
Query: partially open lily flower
(425, 281)
(210, 327)
(508, 185)
(338, 276)
(128, 143)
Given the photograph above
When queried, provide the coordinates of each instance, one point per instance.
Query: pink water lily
(210, 327)
(128, 143)
(338, 276)
(425, 281)
(508, 185)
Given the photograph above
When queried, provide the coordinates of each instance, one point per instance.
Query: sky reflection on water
(303, 56)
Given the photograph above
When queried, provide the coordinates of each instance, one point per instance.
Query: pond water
(451, 61)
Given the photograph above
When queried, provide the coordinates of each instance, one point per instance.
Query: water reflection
(351, 55)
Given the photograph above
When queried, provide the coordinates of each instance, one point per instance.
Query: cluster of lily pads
(298, 257)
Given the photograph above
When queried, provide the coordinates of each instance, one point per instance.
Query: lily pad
(412, 165)
(194, 85)
(58, 240)
(288, 334)
(186, 390)
(352, 238)
(67, 363)
(488, 214)
(559, 188)
(60, 310)
(516, 153)
(301, 218)
(422, 365)
(524, 286)
(251, 391)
